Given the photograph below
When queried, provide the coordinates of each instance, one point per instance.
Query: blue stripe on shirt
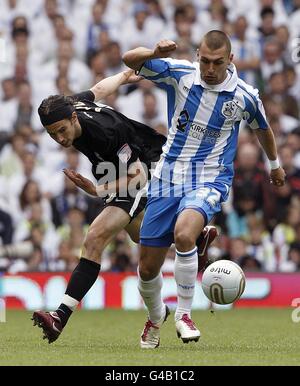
(192, 103)
(215, 122)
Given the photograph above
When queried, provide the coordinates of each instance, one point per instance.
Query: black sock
(82, 279)
(64, 312)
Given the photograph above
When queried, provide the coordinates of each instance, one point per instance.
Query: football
(223, 282)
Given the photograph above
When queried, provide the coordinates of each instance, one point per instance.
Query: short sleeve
(85, 95)
(255, 112)
(161, 70)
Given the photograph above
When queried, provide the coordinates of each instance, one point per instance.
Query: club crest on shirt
(124, 153)
(229, 109)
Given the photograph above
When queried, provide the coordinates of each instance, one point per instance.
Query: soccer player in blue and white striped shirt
(206, 103)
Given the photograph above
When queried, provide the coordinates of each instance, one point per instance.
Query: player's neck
(224, 77)
(78, 130)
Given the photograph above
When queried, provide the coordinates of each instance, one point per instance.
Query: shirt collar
(229, 84)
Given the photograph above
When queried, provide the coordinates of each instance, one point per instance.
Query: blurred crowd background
(66, 46)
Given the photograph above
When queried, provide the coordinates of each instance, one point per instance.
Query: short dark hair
(216, 39)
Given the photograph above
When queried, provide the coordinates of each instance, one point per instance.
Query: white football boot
(150, 337)
(186, 329)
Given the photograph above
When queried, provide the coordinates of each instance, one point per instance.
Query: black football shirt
(110, 137)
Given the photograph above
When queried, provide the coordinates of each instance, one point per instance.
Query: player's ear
(74, 117)
(230, 57)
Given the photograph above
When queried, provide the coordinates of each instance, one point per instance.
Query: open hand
(130, 77)
(80, 181)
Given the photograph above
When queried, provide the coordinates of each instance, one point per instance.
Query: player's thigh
(189, 224)
(133, 228)
(206, 201)
(108, 224)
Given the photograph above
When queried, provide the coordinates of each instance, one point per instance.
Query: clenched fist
(164, 48)
(277, 177)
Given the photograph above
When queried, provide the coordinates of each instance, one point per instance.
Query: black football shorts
(131, 205)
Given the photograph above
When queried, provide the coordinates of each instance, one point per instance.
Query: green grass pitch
(111, 337)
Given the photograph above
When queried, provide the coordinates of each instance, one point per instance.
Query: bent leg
(109, 222)
(102, 230)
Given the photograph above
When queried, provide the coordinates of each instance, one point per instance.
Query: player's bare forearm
(267, 142)
(137, 57)
(135, 179)
(117, 186)
(111, 84)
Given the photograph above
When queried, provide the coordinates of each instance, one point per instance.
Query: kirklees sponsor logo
(205, 135)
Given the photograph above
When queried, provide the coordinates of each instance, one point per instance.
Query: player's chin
(211, 80)
(67, 144)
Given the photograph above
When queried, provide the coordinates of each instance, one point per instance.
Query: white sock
(70, 302)
(151, 293)
(185, 271)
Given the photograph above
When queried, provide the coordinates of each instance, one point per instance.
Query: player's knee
(147, 271)
(183, 240)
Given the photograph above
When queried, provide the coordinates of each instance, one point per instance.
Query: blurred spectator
(6, 228)
(66, 64)
(293, 141)
(98, 65)
(67, 259)
(25, 105)
(140, 29)
(272, 61)
(74, 228)
(246, 52)
(278, 90)
(251, 190)
(260, 245)
(121, 254)
(11, 156)
(275, 110)
(267, 28)
(284, 233)
(238, 254)
(95, 27)
(114, 58)
(72, 197)
(133, 108)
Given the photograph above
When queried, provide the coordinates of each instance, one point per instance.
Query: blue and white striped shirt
(203, 121)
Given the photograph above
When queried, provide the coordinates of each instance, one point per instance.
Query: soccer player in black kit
(121, 152)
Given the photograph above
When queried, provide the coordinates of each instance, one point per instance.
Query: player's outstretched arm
(111, 84)
(136, 58)
(267, 141)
